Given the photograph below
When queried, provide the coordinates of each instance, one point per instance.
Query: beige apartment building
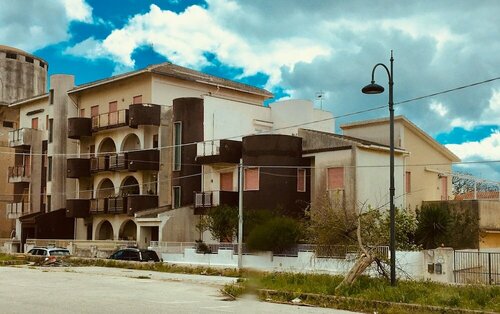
(427, 166)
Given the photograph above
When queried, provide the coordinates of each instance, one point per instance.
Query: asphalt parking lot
(113, 290)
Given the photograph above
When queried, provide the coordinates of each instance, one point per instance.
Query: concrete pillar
(439, 264)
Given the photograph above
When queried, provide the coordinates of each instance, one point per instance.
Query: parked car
(133, 254)
(49, 251)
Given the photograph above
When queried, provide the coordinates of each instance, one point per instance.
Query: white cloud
(78, 10)
(34, 24)
(186, 42)
(438, 108)
(486, 149)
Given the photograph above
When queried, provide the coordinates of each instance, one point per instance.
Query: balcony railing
(19, 174)
(110, 120)
(117, 161)
(144, 114)
(206, 200)
(16, 210)
(218, 151)
(107, 205)
(78, 127)
(100, 163)
(127, 204)
(21, 137)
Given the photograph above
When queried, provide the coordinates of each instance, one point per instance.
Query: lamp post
(377, 89)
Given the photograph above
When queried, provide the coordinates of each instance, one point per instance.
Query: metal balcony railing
(117, 161)
(21, 137)
(208, 148)
(110, 120)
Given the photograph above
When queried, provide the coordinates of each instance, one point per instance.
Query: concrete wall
(180, 226)
(295, 112)
(489, 223)
(20, 79)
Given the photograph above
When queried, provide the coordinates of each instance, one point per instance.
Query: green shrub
(433, 226)
(277, 234)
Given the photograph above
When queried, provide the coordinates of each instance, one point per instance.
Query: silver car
(49, 251)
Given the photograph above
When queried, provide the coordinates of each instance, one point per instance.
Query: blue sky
(294, 49)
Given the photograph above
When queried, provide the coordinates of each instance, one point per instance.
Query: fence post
(490, 281)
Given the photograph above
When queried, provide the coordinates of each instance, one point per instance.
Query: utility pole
(240, 214)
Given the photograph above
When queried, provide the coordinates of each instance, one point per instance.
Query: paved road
(110, 290)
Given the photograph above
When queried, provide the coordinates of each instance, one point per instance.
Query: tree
(221, 221)
(433, 226)
(277, 234)
(464, 182)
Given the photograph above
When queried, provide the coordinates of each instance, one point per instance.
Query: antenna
(319, 96)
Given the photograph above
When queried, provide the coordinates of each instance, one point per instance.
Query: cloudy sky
(294, 49)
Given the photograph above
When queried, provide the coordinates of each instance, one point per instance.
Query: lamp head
(372, 88)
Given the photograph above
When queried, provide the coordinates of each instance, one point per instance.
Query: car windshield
(59, 252)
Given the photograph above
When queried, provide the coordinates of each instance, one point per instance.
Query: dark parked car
(133, 254)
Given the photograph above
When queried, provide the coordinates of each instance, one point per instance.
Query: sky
(295, 49)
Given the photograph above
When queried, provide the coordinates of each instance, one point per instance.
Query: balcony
(130, 161)
(79, 127)
(129, 204)
(144, 114)
(100, 163)
(218, 151)
(107, 205)
(110, 120)
(143, 160)
(77, 208)
(206, 200)
(136, 203)
(78, 168)
(19, 174)
(16, 210)
(22, 137)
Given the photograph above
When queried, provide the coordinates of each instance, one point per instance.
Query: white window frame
(177, 147)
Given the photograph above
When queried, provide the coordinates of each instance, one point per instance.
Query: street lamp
(377, 89)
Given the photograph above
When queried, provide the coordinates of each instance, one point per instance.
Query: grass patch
(484, 298)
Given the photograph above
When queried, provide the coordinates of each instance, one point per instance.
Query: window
(49, 169)
(29, 59)
(155, 141)
(51, 97)
(82, 112)
(176, 197)
(10, 55)
(49, 203)
(34, 123)
(408, 181)
(113, 113)
(8, 124)
(137, 99)
(51, 128)
(177, 145)
(301, 180)
(444, 188)
(336, 178)
(251, 179)
(94, 111)
(226, 181)
(42, 64)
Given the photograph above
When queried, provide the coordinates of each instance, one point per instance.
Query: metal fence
(476, 267)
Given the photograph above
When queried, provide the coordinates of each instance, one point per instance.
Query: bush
(277, 234)
(433, 226)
